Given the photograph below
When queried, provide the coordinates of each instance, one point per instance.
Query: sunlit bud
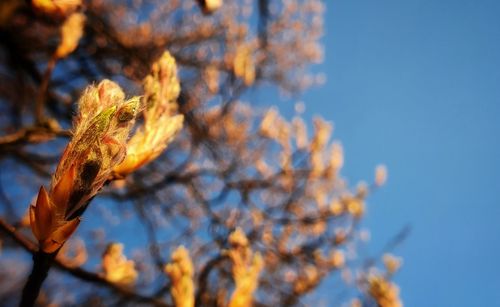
(392, 263)
(307, 280)
(109, 93)
(161, 124)
(337, 259)
(380, 175)
(100, 130)
(90, 153)
(267, 126)
(71, 32)
(385, 293)
(56, 8)
(317, 164)
(209, 6)
(355, 206)
(243, 64)
(116, 267)
(336, 207)
(238, 238)
(246, 269)
(180, 271)
(106, 95)
(336, 157)
(322, 133)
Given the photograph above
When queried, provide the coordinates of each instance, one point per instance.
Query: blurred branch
(33, 134)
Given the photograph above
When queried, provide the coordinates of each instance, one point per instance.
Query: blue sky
(416, 85)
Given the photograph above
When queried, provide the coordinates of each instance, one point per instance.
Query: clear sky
(415, 84)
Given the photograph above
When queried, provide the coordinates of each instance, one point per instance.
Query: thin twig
(42, 92)
(32, 134)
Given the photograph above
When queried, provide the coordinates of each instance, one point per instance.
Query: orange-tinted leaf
(49, 246)
(43, 214)
(62, 233)
(62, 190)
(34, 227)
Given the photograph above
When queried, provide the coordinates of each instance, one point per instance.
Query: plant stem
(41, 266)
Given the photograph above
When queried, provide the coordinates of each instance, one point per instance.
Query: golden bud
(209, 6)
(56, 8)
(71, 32)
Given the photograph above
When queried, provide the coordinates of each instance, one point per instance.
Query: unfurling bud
(391, 263)
(384, 292)
(161, 125)
(181, 271)
(243, 64)
(56, 8)
(116, 267)
(98, 145)
(246, 269)
(71, 32)
(337, 259)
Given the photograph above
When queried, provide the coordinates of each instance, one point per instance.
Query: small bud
(209, 6)
(380, 175)
(180, 270)
(161, 89)
(56, 8)
(243, 64)
(238, 238)
(116, 267)
(336, 207)
(337, 259)
(71, 32)
(246, 269)
(392, 264)
(355, 206)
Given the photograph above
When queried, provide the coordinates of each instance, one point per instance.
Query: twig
(41, 266)
(32, 134)
(40, 99)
